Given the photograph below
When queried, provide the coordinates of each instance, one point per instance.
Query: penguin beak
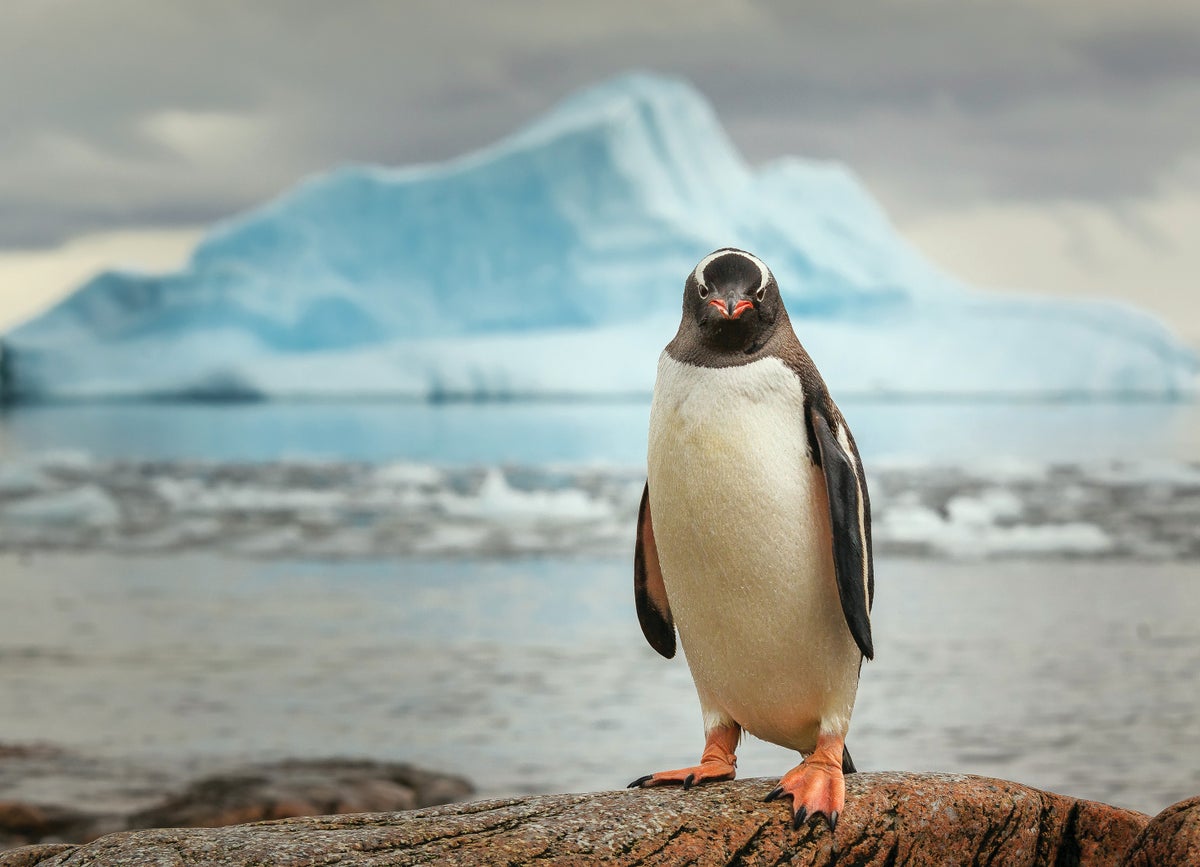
(729, 308)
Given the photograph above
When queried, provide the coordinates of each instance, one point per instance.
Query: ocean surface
(199, 585)
(606, 433)
(531, 675)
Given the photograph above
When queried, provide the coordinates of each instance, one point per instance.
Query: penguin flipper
(850, 516)
(650, 593)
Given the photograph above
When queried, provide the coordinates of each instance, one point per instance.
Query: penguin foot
(816, 786)
(706, 772)
(717, 763)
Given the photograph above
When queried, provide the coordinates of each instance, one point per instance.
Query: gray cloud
(1151, 53)
(135, 112)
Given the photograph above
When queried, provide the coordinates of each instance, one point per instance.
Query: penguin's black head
(732, 300)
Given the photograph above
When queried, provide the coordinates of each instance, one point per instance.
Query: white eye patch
(764, 274)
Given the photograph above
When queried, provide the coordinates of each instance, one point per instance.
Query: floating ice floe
(83, 507)
(361, 510)
(971, 530)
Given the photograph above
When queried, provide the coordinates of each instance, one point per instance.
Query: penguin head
(732, 301)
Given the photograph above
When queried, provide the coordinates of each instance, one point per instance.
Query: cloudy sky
(1045, 145)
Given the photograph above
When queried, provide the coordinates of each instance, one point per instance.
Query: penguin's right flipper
(654, 612)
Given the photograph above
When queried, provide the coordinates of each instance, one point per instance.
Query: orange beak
(738, 309)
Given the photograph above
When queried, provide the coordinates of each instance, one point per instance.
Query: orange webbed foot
(816, 786)
(706, 772)
(717, 763)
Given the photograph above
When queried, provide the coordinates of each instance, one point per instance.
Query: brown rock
(1172, 837)
(302, 788)
(30, 856)
(22, 823)
(249, 794)
(26, 751)
(912, 819)
(19, 818)
(54, 795)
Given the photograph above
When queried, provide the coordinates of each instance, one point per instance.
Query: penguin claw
(687, 777)
(775, 793)
(816, 786)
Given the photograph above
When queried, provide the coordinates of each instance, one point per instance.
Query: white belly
(741, 520)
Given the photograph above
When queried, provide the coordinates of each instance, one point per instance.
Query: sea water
(531, 675)
(202, 585)
(608, 433)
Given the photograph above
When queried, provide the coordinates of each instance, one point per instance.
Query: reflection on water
(532, 675)
(605, 433)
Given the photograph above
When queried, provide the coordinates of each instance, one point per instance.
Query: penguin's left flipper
(650, 593)
(850, 517)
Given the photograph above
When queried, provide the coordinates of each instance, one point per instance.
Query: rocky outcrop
(25, 823)
(247, 794)
(302, 788)
(890, 818)
(1172, 837)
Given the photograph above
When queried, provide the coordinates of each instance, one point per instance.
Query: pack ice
(552, 263)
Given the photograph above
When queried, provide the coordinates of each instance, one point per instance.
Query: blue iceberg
(551, 264)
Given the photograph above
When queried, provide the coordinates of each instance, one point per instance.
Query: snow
(551, 263)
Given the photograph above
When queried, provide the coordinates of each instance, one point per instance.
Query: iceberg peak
(551, 262)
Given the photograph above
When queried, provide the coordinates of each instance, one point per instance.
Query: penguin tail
(847, 762)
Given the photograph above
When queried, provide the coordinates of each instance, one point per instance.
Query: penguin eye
(703, 291)
(761, 293)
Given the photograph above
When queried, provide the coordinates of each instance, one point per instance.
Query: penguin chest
(741, 521)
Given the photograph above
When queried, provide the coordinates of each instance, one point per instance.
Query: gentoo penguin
(754, 536)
